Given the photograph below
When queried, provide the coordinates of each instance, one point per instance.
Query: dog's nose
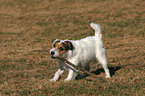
(52, 52)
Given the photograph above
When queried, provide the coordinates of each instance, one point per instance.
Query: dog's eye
(61, 49)
(54, 45)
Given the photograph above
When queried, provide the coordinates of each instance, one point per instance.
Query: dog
(79, 52)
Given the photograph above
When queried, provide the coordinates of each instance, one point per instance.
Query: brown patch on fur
(69, 44)
(62, 46)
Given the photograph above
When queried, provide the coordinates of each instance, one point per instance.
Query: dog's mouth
(52, 57)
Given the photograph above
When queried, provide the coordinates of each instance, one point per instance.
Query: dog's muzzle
(53, 57)
(52, 53)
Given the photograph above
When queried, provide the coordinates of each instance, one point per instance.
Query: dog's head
(60, 48)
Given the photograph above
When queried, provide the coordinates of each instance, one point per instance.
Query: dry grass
(26, 25)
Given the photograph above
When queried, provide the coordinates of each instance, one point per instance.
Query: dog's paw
(108, 76)
(65, 80)
(52, 80)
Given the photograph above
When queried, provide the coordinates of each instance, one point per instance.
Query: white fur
(85, 50)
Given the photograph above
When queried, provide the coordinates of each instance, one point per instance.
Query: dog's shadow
(111, 69)
(100, 70)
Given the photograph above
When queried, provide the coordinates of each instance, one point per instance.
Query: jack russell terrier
(81, 53)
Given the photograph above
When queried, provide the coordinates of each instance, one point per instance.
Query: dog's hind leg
(102, 59)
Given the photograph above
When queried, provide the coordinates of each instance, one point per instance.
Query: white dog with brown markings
(81, 53)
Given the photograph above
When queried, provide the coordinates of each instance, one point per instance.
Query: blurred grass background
(26, 25)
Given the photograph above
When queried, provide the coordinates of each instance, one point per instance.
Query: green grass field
(26, 25)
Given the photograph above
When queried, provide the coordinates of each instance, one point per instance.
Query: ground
(26, 25)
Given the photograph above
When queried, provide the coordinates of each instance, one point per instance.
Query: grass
(27, 25)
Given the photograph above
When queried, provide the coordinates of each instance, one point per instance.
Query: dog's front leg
(57, 75)
(71, 75)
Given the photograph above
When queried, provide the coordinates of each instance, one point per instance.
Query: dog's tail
(97, 28)
(98, 35)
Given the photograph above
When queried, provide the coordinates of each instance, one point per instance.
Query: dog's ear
(69, 44)
(56, 41)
